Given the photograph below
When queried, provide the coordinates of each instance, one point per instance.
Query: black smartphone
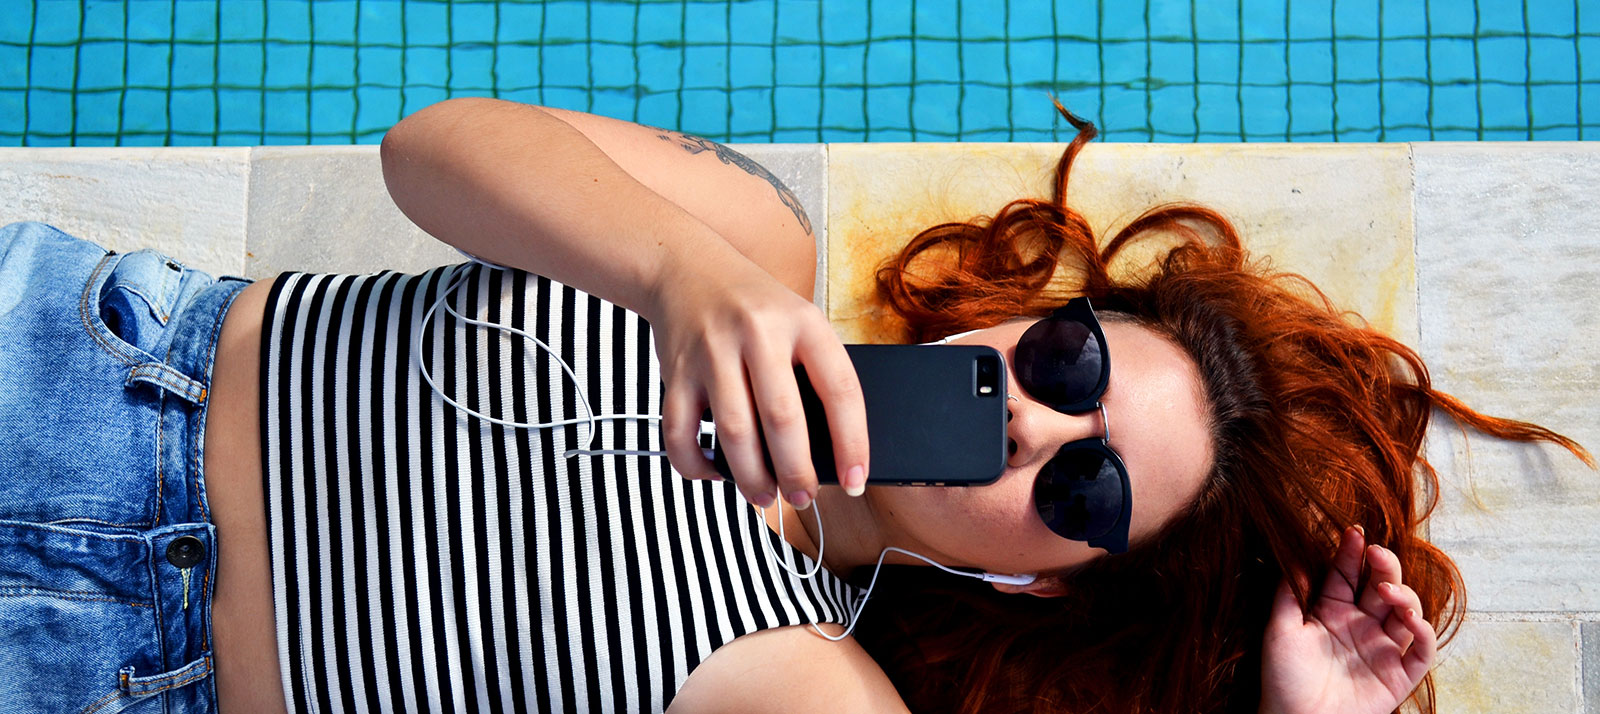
(936, 416)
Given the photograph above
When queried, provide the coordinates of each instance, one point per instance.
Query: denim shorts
(107, 551)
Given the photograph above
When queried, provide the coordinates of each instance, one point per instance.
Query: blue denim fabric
(104, 362)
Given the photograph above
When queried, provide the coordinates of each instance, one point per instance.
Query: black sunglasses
(1082, 493)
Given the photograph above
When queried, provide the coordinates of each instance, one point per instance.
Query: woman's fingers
(1385, 569)
(1346, 572)
(1424, 648)
(739, 432)
(681, 407)
(834, 378)
(783, 423)
(1396, 627)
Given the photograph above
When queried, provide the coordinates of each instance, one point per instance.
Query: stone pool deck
(1485, 257)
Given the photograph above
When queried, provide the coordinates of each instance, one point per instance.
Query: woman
(376, 545)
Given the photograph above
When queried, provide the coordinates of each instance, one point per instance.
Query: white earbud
(1025, 579)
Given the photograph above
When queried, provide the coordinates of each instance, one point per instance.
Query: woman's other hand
(728, 336)
(1353, 652)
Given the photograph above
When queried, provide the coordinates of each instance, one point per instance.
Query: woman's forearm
(517, 186)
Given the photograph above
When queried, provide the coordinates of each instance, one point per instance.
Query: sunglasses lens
(1079, 493)
(1059, 361)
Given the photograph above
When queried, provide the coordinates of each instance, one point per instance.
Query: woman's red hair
(1317, 423)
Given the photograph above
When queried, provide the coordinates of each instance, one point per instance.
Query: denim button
(186, 551)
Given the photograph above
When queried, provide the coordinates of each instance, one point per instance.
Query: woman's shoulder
(788, 669)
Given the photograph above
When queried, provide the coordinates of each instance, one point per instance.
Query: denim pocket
(134, 304)
(75, 608)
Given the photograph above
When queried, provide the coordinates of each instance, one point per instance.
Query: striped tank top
(426, 559)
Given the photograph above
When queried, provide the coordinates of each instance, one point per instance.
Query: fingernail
(1411, 612)
(1387, 587)
(855, 481)
(800, 500)
(1361, 530)
(763, 499)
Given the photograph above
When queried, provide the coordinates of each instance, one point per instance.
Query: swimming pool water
(244, 72)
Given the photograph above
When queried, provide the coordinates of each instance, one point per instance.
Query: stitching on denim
(100, 703)
(184, 678)
(205, 581)
(88, 325)
(130, 524)
(26, 590)
(161, 423)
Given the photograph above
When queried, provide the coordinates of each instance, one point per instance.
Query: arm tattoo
(696, 145)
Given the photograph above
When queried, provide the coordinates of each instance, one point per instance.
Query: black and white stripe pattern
(427, 560)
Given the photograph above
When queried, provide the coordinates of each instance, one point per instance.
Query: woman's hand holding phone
(728, 336)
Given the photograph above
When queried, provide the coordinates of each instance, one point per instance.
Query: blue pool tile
(1031, 63)
(936, 18)
(286, 66)
(658, 68)
(797, 107)
(1218, 63)
(1552, 18)
(1170, 20)
(566, 65)
(285, 112)
(423, 25)
(1264, 19)
(377, 108)
(1123, 115)
(890, 19)
(1311, 19)
(705, 66)
(14, 68)
(1032, 113)
(1505, 106)
(984, 62)
(889, 62)
(610, 22)
(843, 65)
(332, 111)
(1124, 63)
(1404, 104)
(1029, 19)
(378, 23)
(287, 21)
(52, 24)
(194, 65)
(1499, 17)
(843, 108)
(144, 110)
(518, 24)
(1172, 63)
(1453, 60)
(753, 22)
(1450, 18)
(1405, 59)
(1503, 59)
(1355, 18)
(1077, 64)
(751, 111)
(612, 66)
(889, 107)
(1311, 61)
(97, 113)
(706, 24)
(799, 23)
(379, 65)
(936, 61)
(194, 111)
(469, 22)
(1405, 18)
(985, 108)
(1084, 102)
(519, 67)
(49, 111)
(147, 65)
(616, 103)
(981, 21)
(1552, 61)
(1589, 106)
(1311, 113)
(418, 98)
(751, 66)
(16, 32)
(657, 23)
(1588, 17)
(1589, 59)
(332, 65)
(936, 112)
(1172, 113)
(798, 65)
(845, 22)
(101, 21)
(574, 98)
(1268, 115)
(194, 22)
(1217, 20)
(1263, 64)
(239, 111)
(247, 21)
(1356, 112)
(1355, 60)
(424, 66)
(1554, 106)
(1122, 21)
(471, 67)
(1455, 107)
(52, 68)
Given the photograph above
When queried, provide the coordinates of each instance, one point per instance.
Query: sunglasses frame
(1115, 538)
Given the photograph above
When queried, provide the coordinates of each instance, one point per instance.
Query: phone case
(926, 420)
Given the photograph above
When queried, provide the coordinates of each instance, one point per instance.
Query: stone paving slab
(1339, 214)
(1509, 668)
(1508, 245)
(186, 202)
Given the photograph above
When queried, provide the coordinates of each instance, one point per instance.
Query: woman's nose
(1037, 431)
